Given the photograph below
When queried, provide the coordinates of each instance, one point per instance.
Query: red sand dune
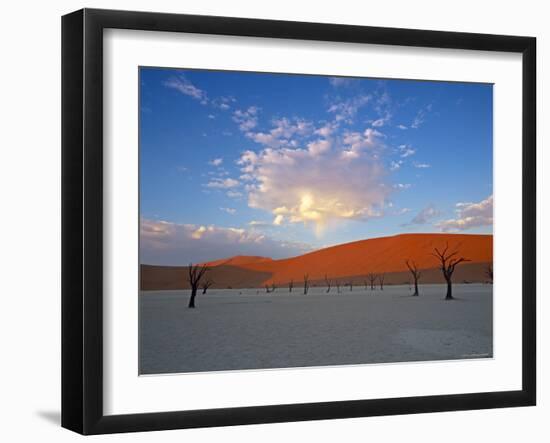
(347, 262)
(384, 254)
(238, 260)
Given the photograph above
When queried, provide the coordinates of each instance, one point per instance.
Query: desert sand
(250, 329)
(350, 262)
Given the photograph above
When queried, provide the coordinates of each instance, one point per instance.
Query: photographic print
(291, 221)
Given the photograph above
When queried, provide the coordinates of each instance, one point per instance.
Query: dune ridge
(349, 262)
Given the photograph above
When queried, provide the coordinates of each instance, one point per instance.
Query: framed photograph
(269, 221)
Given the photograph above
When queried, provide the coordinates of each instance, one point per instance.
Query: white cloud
(420, 117)
(341, 81)
(231, 211)
(216, 162)
(223, 103)
(356, 142)
(402, 211)
(406, 151)
(402, 127)
(246, 119)
(259, 224)
(470, 215)
(402, 185)
(278, 220)
(421, 165)
(425, 215)
(347, 109)
(282, 133)
(234, 194)
(395, 165)
(223, 183)
(319, 146)
(211, 116)
(319, 185)
(167, 243)
(327, 130)
(183, 85)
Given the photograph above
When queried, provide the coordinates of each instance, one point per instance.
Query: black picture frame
(82, 218)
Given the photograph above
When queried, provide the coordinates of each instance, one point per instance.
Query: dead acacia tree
(489, 273)
(306, 283)
(381, 278)
(290, 285)
(206, 285)
(416, 276)
(327, 281)
(196, 273)
(448, 261)
(372, 279)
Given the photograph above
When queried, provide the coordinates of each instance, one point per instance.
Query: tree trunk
(415, 288)
(449, 295)
(192, 299)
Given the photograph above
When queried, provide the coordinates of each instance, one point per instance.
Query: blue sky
(235, 163)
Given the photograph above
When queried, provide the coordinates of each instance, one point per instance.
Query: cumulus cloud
(356, 142)
(167, 243)
(326, 130)
(470, 215)
(231, 211)
(223, 103)
(331, 180)
(425, 215)
(183, 85)
(246, 119)
(282, 133)
(216, 162)
(402, 127)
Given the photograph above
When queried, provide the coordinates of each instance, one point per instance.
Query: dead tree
(267, 289)
(381, 278)
(449, 261)
(206, 285)
(273, 287)
(372, 279)
(350, 284)
(327, 281)
(195, 275)
(290, 285)
(416, 276)
(306, 283)
(337, 282)
(489, 273)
